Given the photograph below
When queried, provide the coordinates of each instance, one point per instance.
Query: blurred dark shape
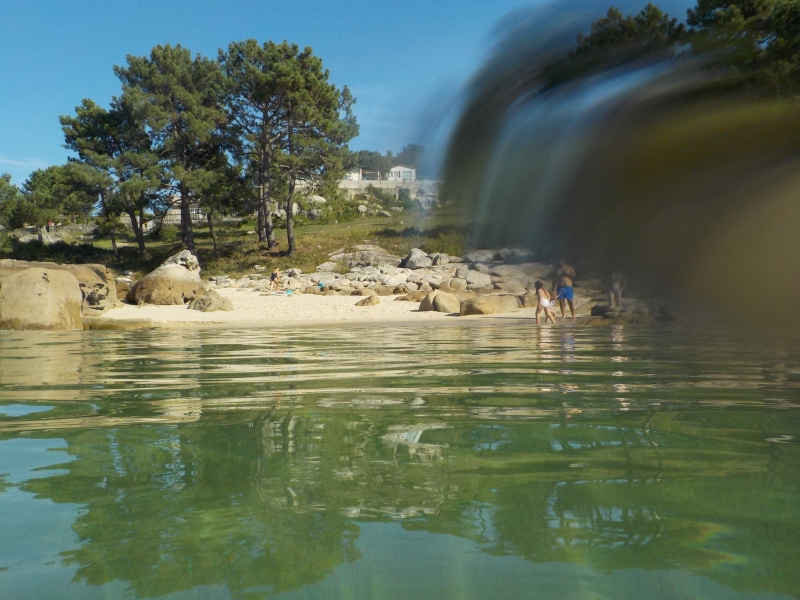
(642, 149)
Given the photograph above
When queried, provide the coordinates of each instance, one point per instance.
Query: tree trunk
(262, 217)
(187, 233)
(263, 207)
(137, 229)
(290, 218)
(113, 237)
(211, 231)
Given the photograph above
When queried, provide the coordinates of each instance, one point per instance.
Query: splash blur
(659, 167)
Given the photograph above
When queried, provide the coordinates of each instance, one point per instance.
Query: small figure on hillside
(618, 284)
(563, 281)
(543, 304)
(274, 281)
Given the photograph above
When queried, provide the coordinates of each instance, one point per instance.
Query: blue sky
(403, 60)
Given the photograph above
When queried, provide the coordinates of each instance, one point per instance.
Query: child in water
(544, 303)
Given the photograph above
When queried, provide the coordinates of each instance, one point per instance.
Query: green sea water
(483, 462)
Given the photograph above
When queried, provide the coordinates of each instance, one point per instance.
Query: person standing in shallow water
(543, 304)
(563, 282)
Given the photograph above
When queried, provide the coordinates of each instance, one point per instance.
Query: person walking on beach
(563, 281)
(543, 304)
(274, 283)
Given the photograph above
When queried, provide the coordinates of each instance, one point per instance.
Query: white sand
(254, 309)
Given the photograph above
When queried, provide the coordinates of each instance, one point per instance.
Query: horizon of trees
(238, 133)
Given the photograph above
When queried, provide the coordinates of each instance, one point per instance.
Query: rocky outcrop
(176, 281)
(366, 255)
(36, 298)
(489, 305)
(211, 301)
(96, 282)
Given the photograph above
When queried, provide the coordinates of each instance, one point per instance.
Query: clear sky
(401, 59)
(404, 60)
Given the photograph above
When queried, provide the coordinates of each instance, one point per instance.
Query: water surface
(458, 462)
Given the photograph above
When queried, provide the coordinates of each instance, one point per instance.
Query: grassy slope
(239, 251)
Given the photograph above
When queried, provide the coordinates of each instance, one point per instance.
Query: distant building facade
(402, 173)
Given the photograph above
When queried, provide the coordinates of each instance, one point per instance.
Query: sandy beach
(256, 309)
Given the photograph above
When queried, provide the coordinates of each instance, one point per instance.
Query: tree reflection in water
(602, 449)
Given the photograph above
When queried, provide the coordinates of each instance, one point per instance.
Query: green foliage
(9, 194)
(166, 233)
(649, 31)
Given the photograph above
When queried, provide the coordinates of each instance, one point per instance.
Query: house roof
(404, 166)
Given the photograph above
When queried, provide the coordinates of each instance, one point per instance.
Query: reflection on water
(479, 462)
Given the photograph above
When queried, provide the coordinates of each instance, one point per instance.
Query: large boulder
(417, 259)
(97, 285)
(40, 299)
(427, 302)
(176, 281)
(489, 305)
(211, 301)
(446, 303)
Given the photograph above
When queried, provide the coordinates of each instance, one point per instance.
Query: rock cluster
(368, 270)
(96, 282)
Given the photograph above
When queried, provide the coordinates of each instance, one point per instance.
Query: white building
(402, 173)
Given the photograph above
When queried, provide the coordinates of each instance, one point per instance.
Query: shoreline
(255, 311)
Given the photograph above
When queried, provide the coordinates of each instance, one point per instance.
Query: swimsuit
(565, 292)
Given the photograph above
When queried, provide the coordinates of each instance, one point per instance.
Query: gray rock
(477, 278)
(516, 255)
(383, 213)
(314, 214)
(481, 256)
(314, 199)
(328, 267)
(462, 272)
(417, 259)
(362, 209)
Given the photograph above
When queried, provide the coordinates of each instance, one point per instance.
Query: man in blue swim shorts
(563, 281)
